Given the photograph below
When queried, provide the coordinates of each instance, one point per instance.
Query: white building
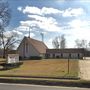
(33, 48)
(30, 47)
(74, 53)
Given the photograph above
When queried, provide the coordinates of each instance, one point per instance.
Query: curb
(52, 82)
(66, 78)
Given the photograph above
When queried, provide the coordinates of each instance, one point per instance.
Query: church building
(31, 48)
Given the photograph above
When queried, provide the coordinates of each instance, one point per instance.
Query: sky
(52, 18)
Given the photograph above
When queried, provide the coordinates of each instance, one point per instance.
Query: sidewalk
(44, 81)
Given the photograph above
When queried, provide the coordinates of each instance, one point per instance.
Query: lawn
(45, 68)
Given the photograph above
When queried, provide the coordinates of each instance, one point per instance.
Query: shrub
(11, 65)
(57, 57)
(35, 57)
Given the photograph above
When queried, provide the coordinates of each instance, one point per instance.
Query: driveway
(84, 66)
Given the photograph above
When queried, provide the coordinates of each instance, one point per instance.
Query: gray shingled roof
(67, 50)
(38, 45)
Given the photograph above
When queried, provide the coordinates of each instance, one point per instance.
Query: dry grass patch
(45, 68)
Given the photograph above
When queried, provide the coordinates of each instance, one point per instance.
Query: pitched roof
(67, 50)
(38, 45)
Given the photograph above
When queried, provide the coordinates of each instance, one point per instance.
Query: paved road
(35, 87)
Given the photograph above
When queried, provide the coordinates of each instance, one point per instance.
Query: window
(70, 55)
(53, 55)
(78, 56)
(47, 55)
(57, 56)
(61, 55)
(26, 47)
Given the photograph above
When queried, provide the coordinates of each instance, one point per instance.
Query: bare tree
(78, 43)
(89, 44)
(81, 43)
(84, 43)
(5, 14)
(59, 42)
(9, 42)
(62, 42)
(55, 43)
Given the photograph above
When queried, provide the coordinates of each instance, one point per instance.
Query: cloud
(33, 10)
(80, 33)
(49, 43)
(8, 33)
(19, 8)
(43, 19)
(31, 35)
(47, 26)
(79, 29)
(48, 11)
(17, 32)
(39, 19)
(77, 34)
(38, 11)
(14, 31)
(22, 28)
(22, 31)
(48, 20)
(28, 24)
(77, 23)
(73, 12)
(45, 23)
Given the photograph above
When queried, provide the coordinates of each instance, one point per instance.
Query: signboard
(12, 58)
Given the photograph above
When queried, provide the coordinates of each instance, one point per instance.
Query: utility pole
(68, 65)
(27, 29)
(29, 32)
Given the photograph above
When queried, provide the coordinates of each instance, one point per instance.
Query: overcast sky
(53, 18)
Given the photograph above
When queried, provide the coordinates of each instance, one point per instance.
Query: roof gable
(38, 45)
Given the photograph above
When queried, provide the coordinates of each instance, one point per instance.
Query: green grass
(45, 68)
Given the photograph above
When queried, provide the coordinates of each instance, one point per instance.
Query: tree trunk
(4, 52)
